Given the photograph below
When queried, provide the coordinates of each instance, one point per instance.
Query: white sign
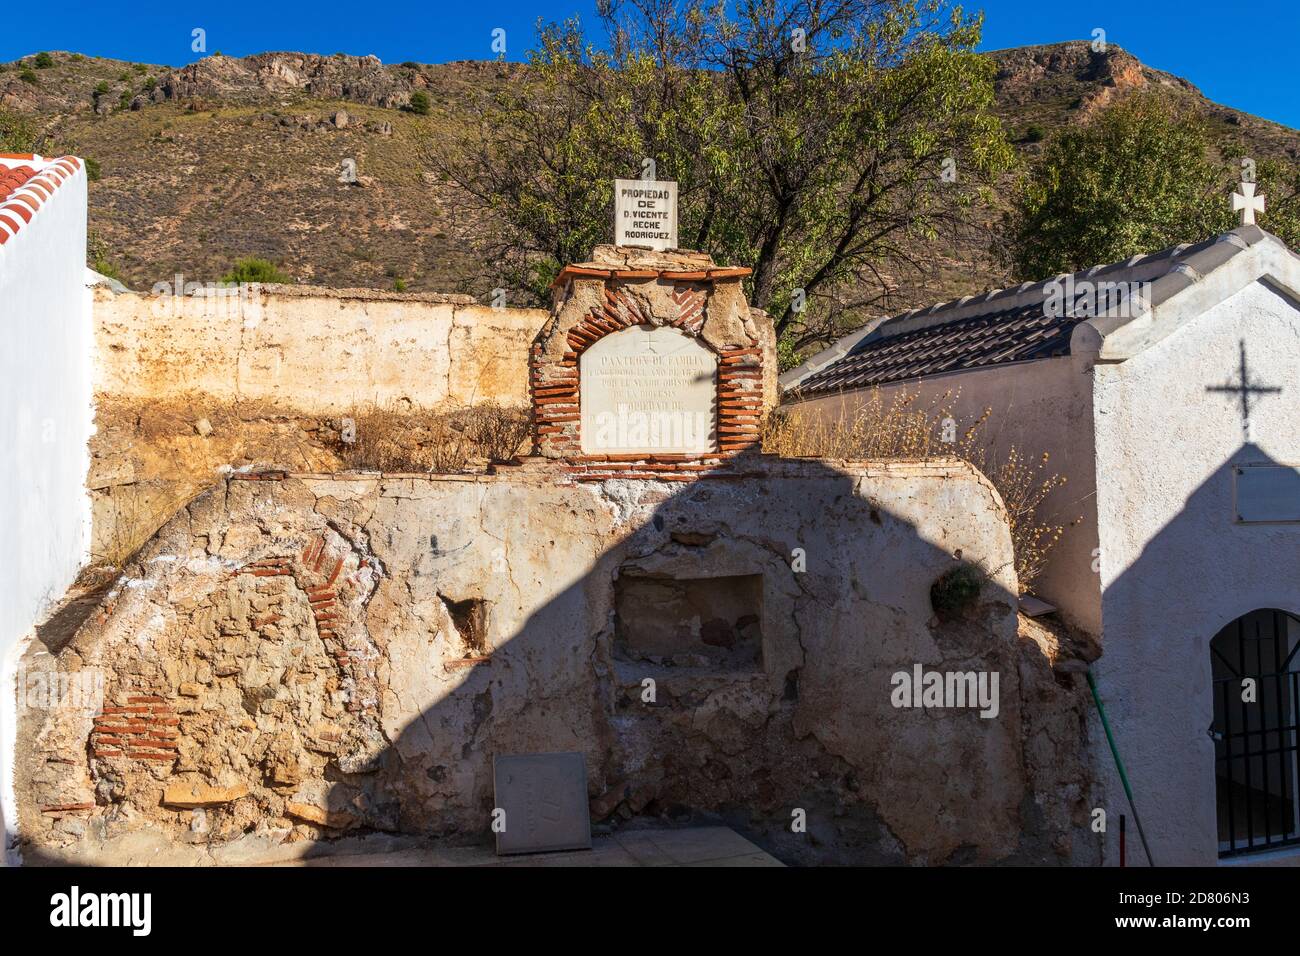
(648, 390)
(645, 213)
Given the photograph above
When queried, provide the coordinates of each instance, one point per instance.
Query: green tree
(420, 103)
(16, 134)
(43, 61)
(1142, 175)
(255, 270)
(809, 139)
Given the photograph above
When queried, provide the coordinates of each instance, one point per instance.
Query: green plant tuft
(252, 269)
(420, 103)
(957, 590)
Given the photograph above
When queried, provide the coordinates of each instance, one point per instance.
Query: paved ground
(694, 846)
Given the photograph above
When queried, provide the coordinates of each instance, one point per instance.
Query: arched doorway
(1256, 679)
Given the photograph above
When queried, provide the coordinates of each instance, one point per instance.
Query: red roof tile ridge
(27, 181)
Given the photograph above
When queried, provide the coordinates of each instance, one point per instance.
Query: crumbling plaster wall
(1039, 408)
(282, 664)
(312, 350)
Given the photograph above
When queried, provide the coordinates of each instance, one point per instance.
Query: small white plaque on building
(645, 213)
(1267, 493)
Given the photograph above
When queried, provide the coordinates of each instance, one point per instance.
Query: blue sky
(1243, 57)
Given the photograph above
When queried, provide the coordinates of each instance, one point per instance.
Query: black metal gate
(1255, 741)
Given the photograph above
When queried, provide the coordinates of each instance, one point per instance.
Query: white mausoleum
(1165, 389)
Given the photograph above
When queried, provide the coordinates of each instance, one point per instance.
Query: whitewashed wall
(45, 422)
(1175, 565)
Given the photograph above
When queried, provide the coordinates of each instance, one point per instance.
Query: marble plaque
(648, 390)
(544, 797)
(645, 213)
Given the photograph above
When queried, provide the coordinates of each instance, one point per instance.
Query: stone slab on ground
(544, 799)
(694, 846)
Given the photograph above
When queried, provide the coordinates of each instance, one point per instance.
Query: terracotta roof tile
(26, 182)
(1008, 335)
(1008, 325)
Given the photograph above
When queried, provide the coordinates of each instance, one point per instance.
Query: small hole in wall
(469, 618)
(690, 622)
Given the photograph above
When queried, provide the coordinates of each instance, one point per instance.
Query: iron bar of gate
(1295, 750)
(1278, 637)
(1245, 727)
(1262, 712)
(1119, 765)
(1230, 777)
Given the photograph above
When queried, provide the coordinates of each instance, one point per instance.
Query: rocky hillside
(236, 157)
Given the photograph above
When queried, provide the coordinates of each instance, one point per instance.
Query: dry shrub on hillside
(403, 439)
(901, 426)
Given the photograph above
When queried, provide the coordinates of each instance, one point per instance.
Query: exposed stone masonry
(294, 650)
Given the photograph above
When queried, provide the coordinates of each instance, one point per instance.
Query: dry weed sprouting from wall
(150, 457)
(902, 426)
(131, 520)
(391, 438)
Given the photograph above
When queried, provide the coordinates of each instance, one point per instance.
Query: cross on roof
(1248, 203)
(1244, 389)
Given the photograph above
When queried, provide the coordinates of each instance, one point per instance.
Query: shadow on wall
(1201, 571)
(321, 655)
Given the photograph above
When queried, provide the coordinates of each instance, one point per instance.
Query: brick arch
(619, 311)
(555, 388)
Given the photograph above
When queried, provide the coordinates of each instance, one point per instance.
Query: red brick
(334, 575)
(64, 807)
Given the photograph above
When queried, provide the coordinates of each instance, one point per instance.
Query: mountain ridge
(229, 157)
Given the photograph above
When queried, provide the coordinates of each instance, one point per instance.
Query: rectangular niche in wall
(690, 622)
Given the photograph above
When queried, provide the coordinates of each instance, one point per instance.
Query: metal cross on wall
(1244, 389)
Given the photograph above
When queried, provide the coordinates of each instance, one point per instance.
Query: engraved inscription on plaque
(648, 390)
(645, 213)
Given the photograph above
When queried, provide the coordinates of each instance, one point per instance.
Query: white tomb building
(1165, 389)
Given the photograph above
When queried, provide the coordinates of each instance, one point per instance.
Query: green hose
(1119, 765)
